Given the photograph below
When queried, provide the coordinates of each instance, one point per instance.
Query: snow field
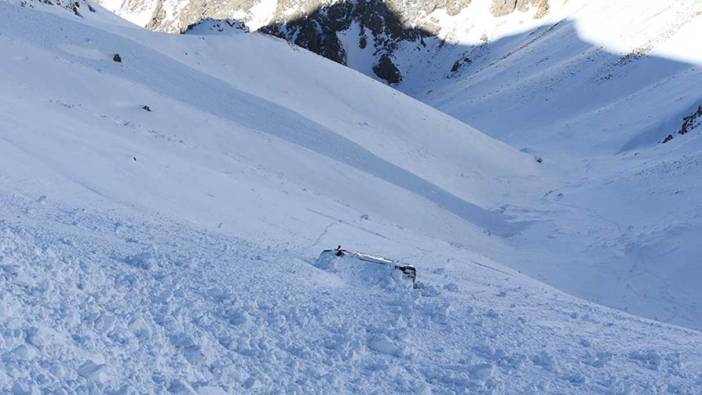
(174, 250)
(106, 303)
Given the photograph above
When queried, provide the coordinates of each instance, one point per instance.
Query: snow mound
(363, 270)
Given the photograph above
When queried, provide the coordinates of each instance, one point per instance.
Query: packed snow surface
(173, 247)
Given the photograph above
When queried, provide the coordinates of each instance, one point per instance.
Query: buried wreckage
(409, 272)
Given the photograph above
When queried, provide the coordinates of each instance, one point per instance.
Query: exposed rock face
(77, 7)
(208, 25)
(379, 26)
(453, 7)
(689, 123)
(176, 16)
(460, 63)
(318, 30)
(382, 26)
(506, 7)
(503, 7)
(387, 70)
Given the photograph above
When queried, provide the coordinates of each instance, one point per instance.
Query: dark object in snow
(134, 158)
(459, 63)
(387, 70)
(689, 121)
(117, 58)
(219, 25)
(146, 108)
(75, 8)
(409, 272)
(539, 159)
(363, 42)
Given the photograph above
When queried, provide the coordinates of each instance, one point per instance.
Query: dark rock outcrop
(217, 25)
(690, 122)
(379, 27)
(506, 7)
(387, 70)
(70, 5)
(460, 63)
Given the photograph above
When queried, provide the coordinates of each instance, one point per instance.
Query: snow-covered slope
(583, 62)
(371, 36)
(256, 123)
(591, 87)
(171, 247)
(595, 89)
(98, 301)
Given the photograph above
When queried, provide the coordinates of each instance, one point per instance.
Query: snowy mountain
(592, 87)
(569, 82)
(364, 34)
(177, 16)
(164, 199)
(595, 98)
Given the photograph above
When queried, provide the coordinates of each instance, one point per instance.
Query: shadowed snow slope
(160, 216)
(594, 88)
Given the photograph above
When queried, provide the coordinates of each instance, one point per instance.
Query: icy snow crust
(174, 250)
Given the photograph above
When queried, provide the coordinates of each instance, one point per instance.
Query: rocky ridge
(379, 26)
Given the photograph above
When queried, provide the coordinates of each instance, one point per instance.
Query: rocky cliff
(333, 29)
(77, 7)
